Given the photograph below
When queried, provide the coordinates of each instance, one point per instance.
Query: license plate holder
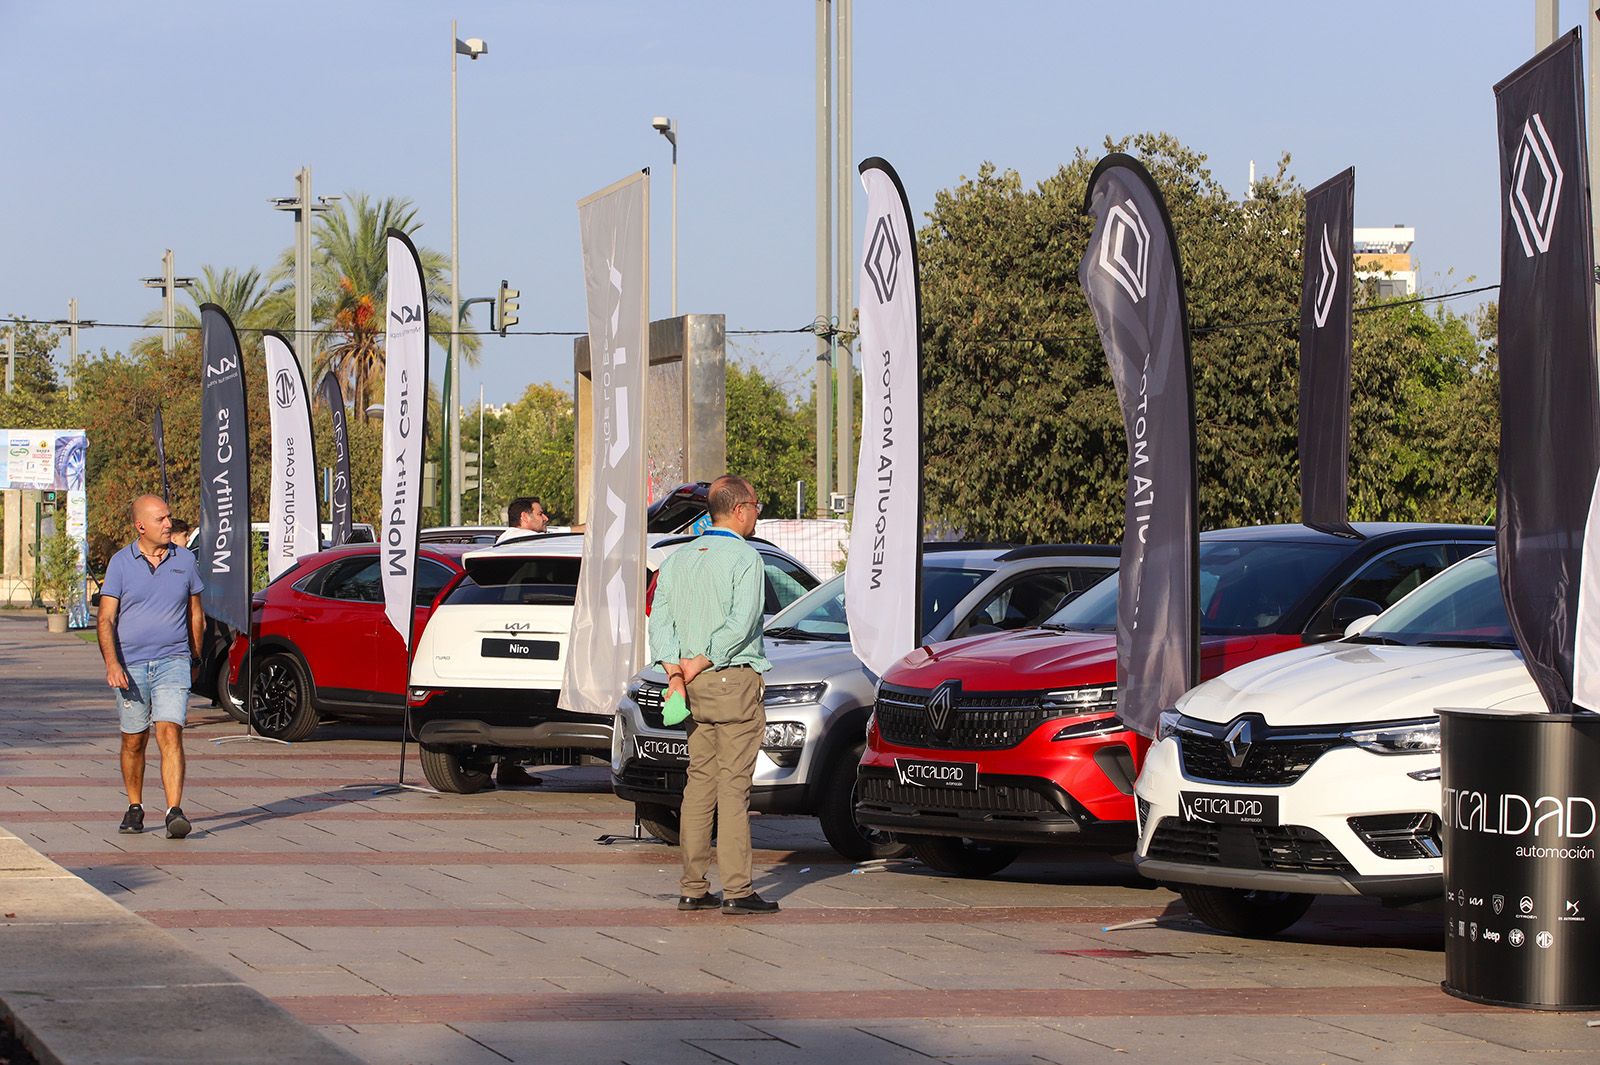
(527, 650)
(1228, 808)
(662, 751)
(928, 773)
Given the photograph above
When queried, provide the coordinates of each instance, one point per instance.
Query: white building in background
(1383, 254)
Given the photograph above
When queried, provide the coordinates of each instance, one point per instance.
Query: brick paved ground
(416, 928)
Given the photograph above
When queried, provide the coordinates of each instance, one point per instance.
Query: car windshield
(518, 581)
(820, 613)
(1246, 586)
(1461, 607)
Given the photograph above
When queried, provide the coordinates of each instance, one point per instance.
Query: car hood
(1336, 683)
(1028, 659)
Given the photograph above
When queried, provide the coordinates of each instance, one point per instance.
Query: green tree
(528, 452)
(771, 440)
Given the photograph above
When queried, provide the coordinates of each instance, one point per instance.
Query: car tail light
(419, 696)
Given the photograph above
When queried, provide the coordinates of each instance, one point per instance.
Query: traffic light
(505, 308)
(469, 471)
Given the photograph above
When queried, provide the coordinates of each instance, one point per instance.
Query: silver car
(819, 695)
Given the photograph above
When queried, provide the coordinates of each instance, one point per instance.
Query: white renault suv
(1316, 771)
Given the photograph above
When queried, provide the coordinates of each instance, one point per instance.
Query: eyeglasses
(748, 503)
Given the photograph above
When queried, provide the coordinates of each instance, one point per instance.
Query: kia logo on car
(1237, 742)
(941, 706)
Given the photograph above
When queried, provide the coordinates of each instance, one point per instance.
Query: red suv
(981, 746)
(323, 645)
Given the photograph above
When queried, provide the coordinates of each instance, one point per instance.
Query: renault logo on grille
(941, 707)
(1237, 742)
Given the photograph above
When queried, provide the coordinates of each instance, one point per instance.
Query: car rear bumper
(511, 718)
(1002, 809)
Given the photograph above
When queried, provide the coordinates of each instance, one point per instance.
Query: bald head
(152, 521)
(732, 504)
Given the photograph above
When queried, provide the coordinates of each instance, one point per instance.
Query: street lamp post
(168, 286)
(304, 208)
(669, 129)
(472, 48)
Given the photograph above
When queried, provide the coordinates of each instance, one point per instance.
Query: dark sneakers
(749, 905)
(177, 824)
(133, 820)
(707, 901)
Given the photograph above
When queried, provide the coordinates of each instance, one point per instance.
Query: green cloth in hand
(674, 709)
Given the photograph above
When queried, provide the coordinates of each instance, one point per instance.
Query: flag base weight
(611, 838)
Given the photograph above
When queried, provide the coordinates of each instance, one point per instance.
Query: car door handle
(299, 615)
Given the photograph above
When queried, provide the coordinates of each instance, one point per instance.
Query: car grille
(653, 778)
(650, 698)
(1278, 848)
(978, 721)
(1267, 762)
(1399, 836)
(987, 798)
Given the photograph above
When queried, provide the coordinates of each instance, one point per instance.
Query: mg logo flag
(606, 643)
(1325, 329)
(1131, 276)
(883, 580)
(405, 404)
(292, 526)
(1548, 527)
(224, 543)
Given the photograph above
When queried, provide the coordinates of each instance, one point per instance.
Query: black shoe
(133, 820)
(707, 901)
(514, 776)
(749, 904)
(177, 824)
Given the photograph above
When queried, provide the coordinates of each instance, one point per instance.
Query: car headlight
(1092, 700)
(793, 694)
(1398, 737)
(1167, 724)
(784, 734)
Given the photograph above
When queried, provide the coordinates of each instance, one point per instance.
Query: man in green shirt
(705, 630)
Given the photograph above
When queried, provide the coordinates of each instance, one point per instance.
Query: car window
(1383, 581)
(1462, 608)
(519, 581)
(1028, 600)
(355, 580)
(820, 613)
(431, 579)
(785, 582)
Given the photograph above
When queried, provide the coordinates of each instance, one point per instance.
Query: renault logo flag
(883, 579)
(606, 643)
(339, 497)
(293, 529)
(224, 546)
(1325, 354)
(1548, 527)
(405, 404)
(1131, 276)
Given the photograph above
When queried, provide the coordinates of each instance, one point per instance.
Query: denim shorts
(157, 691)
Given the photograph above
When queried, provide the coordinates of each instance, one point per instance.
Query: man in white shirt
(526, 517)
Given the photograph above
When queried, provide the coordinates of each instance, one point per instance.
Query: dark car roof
(1384, 532)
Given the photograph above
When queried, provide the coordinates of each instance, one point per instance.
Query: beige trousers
(726, 724)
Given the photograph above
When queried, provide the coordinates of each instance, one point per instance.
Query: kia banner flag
(224, 547)
(293, 527)
(405, 403)
(884, 576)
(1131, 276)
(1549, 393)
(339, 492)
(606, 643)
(1325, 354)
(158, 430)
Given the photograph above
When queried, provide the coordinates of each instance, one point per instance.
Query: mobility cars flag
(224, 548)
(405, 402)
(606, 643)
(158, 430)
(1549, 395)
(1325, 354)
(293, 528)
(1131, 276)
(339, 492)
(883, 578)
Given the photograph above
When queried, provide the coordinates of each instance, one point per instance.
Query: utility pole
(72, 345)
(472, 48)
(169, 286)
(11, 358)
(844, 243)
(304, 208)
(1546, 19)
(825, 325)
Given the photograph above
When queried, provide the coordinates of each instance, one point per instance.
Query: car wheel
(836, 810)
(281, 698)
(1245, 913)
(658, 821)
(224, 694)
(962, 857)
(448, 770)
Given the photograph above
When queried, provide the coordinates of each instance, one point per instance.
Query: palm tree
(349, 280)
(253, 302)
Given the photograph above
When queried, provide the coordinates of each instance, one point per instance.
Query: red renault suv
(982, 746)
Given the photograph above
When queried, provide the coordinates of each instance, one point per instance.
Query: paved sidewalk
(415, 928)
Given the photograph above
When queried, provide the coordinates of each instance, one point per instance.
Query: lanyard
(722, 532)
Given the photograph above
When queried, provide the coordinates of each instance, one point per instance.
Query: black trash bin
(1522, 879)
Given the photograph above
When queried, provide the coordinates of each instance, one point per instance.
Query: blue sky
(131, 128)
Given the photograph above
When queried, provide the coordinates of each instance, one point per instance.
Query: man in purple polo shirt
(150, 624)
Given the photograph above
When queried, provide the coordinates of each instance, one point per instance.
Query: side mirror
(1359, 625)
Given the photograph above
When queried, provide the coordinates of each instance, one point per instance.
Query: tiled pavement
(415, 928)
